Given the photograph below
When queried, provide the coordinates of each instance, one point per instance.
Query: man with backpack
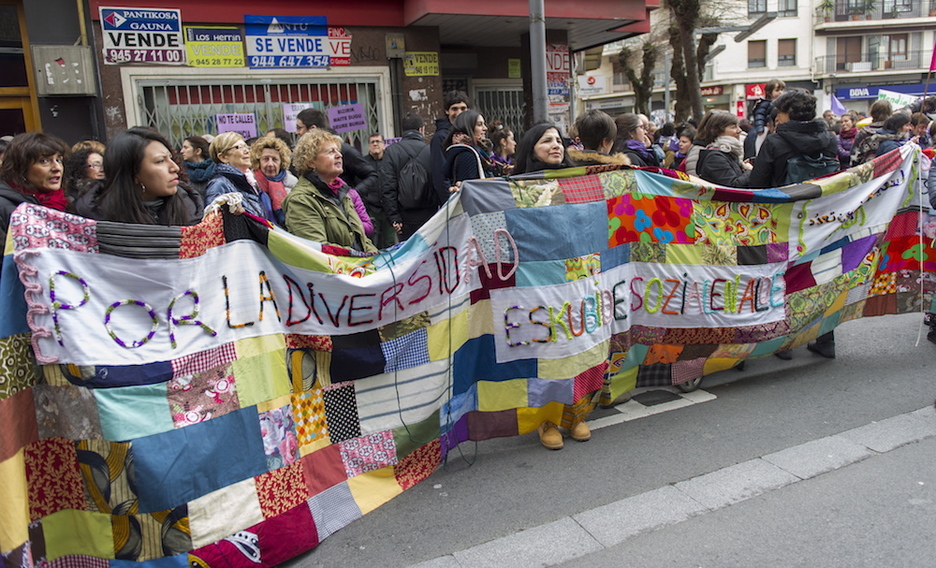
(801, 149)
(409, 199)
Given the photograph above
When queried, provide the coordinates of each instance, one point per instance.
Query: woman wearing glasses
(233, 175)
(82, 170)
(634, 141)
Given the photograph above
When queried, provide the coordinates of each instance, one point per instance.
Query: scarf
(236, 177)
(847, 133)
(638, 148)
(200, 172)
(728, 145)
(51, 199)
(273, 186)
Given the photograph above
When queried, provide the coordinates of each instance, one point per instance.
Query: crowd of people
(325, 190)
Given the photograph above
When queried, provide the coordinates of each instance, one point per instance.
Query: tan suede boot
(580, 432)
(550, 436)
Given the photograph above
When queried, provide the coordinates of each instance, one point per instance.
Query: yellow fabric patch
(715, 364)
(684, 254)
(502, 395)
(573, 365)
(441, 345)
(253, 346)
(837, 305)
(223, 512)
(621, 382)
(14, 514)
(78, 532)
(374, 488)
(314, 446)
(276, 403)
(481, 321)
(261, 378)
(529, 419)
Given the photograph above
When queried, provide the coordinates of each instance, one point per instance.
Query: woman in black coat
(720, 161)
(633, 140)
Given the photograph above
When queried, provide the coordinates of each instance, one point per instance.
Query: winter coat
(316, 212)
(437, 155)
(373, 200)
(229, 179)
(846, 140)
(9, 200)
(395, 158)
(199, 174)
(358, 172)
(464, 162)
(690, 164)
(793, 138)
(361, 211)
(595, 158)
(888, 140)
(861, 151)
(644, 158)
(86, 205)
(722, 168)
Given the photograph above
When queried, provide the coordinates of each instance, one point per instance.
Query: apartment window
(757, 53)
(756, 7)
(786, 52)
(786, 8)
(898, 47)
(847, 50)
(891, 8)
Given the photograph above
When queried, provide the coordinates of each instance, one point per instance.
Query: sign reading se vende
(142, 35)
(295, 41)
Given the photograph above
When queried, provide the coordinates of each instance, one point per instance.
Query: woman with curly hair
(320, 207)
(82, 170)
(269, 160)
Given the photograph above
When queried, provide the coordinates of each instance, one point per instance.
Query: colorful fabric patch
(643, 218)
(66, 411)
(281, 489)
(540, 194)
(204, 361)
(280, 443)
(316, 342)
(309, 417)
(356, 356)
(589, 380)
(34, 227)
(202, 396)
(418, 465)
(368, 453)
(738, 224)
(581, 189)
(18, 425)
(323, 469)
(884, 284)
(333, 509)
(685, 371)
(54, 478)
(341, 412)
(133, 412)
(535, 230)
(582, 267)
(19, 365)
(197, 239)
(411, 350)
(658, 375)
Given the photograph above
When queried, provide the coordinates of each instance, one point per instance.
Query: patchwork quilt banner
(229, 395)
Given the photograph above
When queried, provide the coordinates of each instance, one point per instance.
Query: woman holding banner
(320, 207)
(231, 155)
(142, 185)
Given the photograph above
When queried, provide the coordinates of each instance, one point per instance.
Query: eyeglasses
(95, 166)
(238, 146)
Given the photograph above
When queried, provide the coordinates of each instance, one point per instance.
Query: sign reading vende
(295, 41)
(142, 35)
(214, 47)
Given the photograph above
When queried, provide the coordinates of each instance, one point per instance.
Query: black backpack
(414, 190)
(804, 167)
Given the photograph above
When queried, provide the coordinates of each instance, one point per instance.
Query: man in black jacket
(456, 102)
(358, 173)
(412, 144)
(797, 134)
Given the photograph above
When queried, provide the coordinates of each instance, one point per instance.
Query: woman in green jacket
(319, 207)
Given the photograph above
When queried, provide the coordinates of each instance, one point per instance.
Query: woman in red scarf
(269, 159)
(32, 172)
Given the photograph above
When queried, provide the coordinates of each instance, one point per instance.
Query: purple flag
(837, 106)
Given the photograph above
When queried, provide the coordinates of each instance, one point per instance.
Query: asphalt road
(499, 492)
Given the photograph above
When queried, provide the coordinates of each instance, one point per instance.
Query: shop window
(757, 53)
(786, 52)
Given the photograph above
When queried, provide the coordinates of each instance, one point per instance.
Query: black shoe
(785, 355)
(739, 366)
(931, 336)
(826, 350)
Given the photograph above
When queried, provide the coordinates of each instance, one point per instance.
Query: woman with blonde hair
(320, 207)
(231, 155)
(269, 160)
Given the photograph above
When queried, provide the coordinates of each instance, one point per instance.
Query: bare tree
(685, 14)
(641, 81)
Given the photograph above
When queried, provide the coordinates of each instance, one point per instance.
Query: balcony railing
(849, 11)
(875, 61)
